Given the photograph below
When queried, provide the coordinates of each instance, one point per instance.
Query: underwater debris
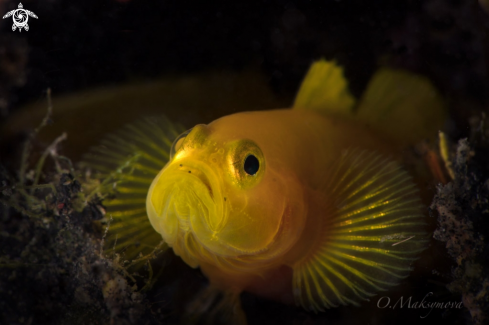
(463, 224)
(52, 266)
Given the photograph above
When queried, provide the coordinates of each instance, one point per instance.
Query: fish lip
(204, 174)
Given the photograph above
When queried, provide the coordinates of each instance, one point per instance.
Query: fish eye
(251, 165)
(177, 144)
(247, 163)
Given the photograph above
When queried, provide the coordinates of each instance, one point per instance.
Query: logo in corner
(20, 17)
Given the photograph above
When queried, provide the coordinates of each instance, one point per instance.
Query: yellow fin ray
(357, 290)
(126, 162)
(368, 215)
(369, 237)
(384, 267)
(326, 280)
(325, 89)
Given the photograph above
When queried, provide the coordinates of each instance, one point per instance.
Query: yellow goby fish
(308, 204)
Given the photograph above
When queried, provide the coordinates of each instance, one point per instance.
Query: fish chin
(178, 204)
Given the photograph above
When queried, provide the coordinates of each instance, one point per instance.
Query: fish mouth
(199, 173)
(204, 179)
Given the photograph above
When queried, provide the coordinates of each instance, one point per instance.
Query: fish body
(259, 228)
(309, 204)
(255, 231)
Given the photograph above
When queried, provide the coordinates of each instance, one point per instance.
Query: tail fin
(398, 104)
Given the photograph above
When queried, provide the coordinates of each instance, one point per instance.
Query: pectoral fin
(126, 163)
(371, 233)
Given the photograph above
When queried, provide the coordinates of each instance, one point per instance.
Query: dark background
(77, 45)
(81, 44)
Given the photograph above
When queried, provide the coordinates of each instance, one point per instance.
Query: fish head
(219, 196)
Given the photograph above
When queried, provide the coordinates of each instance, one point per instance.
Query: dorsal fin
(402, 105)
(325, 90)
(371, 233)
(126, 162)
(397, 104)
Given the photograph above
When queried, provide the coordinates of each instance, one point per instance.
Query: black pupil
(251, 165)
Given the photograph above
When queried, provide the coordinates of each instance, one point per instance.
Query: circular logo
(20, 17)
